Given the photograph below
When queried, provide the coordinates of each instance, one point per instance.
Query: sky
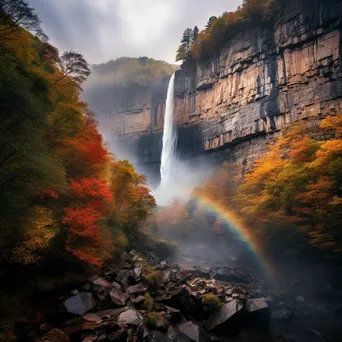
(105, 29)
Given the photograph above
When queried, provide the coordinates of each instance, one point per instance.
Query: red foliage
(85, 239)
(91, 188)
(85, 153)
(47, 193)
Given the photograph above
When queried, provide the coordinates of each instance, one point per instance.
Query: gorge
(233, 106)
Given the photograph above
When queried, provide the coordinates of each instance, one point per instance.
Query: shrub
(154, 278)
(212, 300)
(156, 321)
(148, 302)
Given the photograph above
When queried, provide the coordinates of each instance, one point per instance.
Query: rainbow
(244, 234)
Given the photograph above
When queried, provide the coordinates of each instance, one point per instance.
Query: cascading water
(169, 136)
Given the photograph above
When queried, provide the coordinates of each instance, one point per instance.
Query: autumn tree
(16, 15)
(73, 66)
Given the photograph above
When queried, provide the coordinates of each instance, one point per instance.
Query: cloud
(105, 29)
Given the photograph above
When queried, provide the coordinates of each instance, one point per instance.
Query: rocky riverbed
(148, 299)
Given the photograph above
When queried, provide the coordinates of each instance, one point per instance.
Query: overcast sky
(106, 29)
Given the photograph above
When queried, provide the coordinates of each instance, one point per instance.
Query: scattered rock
(131, 317)
(227, 313)
(191, 330)
(257, 304)
(55, 335)
(139, 299)
(91, 317)
(101, 282)
(111, 313)
(90, 338)
(118, 297)
(134, 289)
(80, 304)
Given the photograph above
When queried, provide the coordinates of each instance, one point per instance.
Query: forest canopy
(128, 71)
(200, 45)
(63, 196)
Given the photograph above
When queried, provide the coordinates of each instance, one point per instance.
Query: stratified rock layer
(234, 105)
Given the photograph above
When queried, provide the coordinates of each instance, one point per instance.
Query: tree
(16, 15)
(210, 22)
(187, 38)
(195, 33)
(74, 66)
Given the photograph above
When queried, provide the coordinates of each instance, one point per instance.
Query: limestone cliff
(262, 81)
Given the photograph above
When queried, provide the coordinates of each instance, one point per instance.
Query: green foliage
(129, 72)
(218, 30)
(148, 302)
(153, 277)
(156, 321)
(64, 200)
(211, 300)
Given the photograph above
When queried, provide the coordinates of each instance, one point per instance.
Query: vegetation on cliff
(293, 193)
(64, 199)
(201, 45)
(128, 72)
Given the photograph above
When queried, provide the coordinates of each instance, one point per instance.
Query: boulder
(131, 317)
(190, 330)
(80, 304)
(224, 274)
(253, 305)
(229, 314)
(123, 277)
(111, 313)
(101, 282)
(259, 313)
(136, 289)
(90, 338)
(139, 299)
(55, 335)
(91, 317)
(118, 297)
(175, 315)
(194, 332)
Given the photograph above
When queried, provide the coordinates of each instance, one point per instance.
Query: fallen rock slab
(191, 330)
(130, 317)
(136, 289)
(118, 297)
(80, 304)
(259, 313)
(90, 317)
(227, 313)
(101, 282)
(55, 335)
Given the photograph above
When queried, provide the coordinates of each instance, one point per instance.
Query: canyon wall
(233, 106)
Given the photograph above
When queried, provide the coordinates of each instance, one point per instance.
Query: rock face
(232, 107)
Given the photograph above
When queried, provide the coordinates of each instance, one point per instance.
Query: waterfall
(169, 136)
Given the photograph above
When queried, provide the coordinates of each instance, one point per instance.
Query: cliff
(263, 80)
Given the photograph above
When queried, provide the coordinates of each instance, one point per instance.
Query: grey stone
(80, 304)
(55, 335)
(191, 330)
(101, 282)
(134, 289)
(118, 297)
(91, 317)
(131, 317)
(257, 304)
(222, 315)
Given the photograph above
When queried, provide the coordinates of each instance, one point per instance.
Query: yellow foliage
(40, 228)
